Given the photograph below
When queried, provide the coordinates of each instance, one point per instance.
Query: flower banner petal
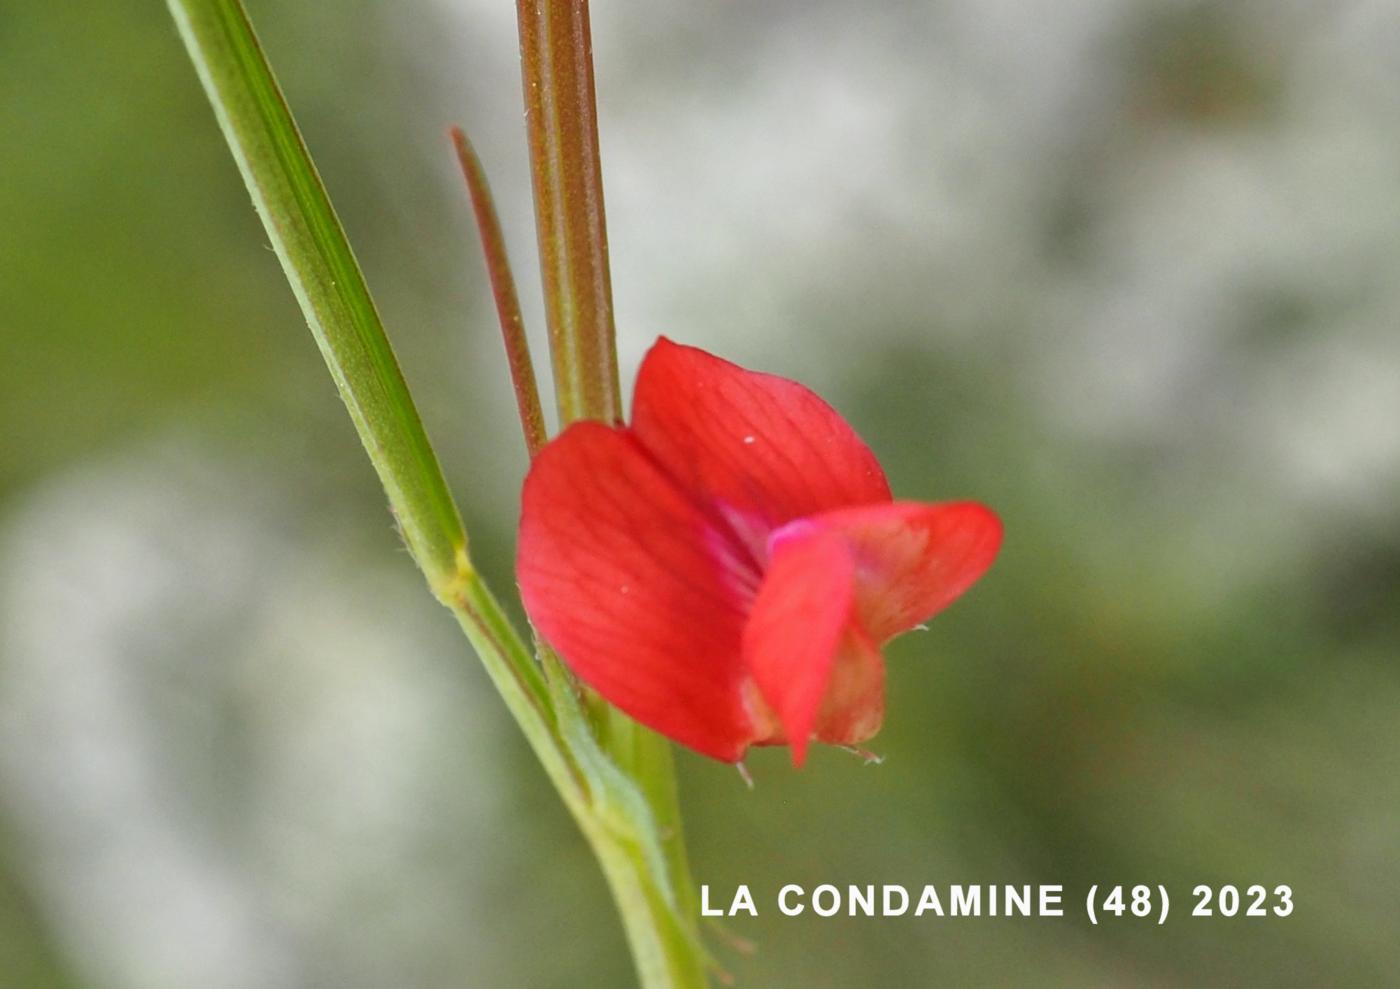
(761, 446)
(636, 589)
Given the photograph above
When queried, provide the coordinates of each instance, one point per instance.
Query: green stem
(622, 795)
(310, 243)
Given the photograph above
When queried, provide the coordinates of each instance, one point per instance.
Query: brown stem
(562, 121)
(556, 53)
(493, 245)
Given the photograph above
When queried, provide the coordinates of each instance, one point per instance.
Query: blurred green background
(1125, 271)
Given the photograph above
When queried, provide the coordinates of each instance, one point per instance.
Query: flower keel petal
(854, 704)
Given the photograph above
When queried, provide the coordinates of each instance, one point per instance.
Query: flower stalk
(556, 62)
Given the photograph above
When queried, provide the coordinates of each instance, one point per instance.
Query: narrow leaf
(318, 262)
(310, 243)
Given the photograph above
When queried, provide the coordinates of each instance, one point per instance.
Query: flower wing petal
(912, 560)
(797, 626)
(758, 444)
(630, 583)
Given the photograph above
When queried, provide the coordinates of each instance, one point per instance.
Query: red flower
(726, 569)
